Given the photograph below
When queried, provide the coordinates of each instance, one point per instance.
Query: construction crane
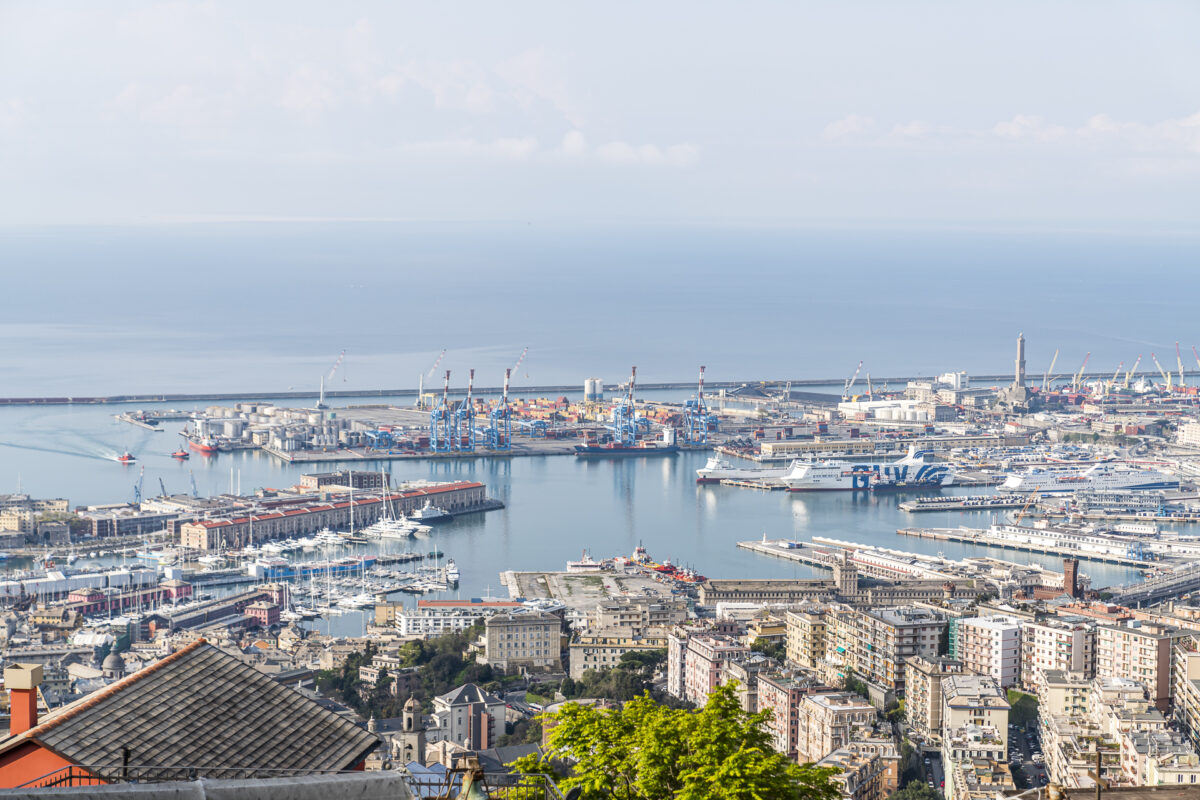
(1179, 364)
(1078, 376)
(1108, 386)
(1021, 514)
(1048, 377)
(1166, 376)
(464, 419)
(1133, 371)
(441, 422)
(850, 382)
(332, 372)
(500, 431)
(696, 418)
(421, 379)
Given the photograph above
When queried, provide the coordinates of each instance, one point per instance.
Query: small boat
(451, 571)
(126, 458)
(181, 454)
(430, 513)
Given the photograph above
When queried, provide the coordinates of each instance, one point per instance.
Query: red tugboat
(181, 454)
(126, 458)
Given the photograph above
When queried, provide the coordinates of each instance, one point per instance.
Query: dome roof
(113, 663)
(411, 705)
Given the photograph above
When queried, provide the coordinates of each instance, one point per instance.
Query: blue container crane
(697, 421)
(499, 433)
(624, 415)
(442, 423)
(464, 420)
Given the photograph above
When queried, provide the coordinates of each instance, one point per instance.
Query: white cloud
(535, 74)
(1025, 126)
(852, 125)
(509, 149)
(574, 144)
(911, 130)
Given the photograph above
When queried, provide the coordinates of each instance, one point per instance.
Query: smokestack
(22, 681)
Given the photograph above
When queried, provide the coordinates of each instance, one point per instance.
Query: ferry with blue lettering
(914, 472)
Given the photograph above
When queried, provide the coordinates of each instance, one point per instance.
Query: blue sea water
(268, 306)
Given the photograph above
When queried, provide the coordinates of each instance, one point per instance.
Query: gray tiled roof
(202, 708)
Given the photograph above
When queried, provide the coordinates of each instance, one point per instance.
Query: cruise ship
(1049, 480)
(909, 473)
(718, 469)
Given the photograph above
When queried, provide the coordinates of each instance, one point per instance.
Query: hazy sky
(1055, 114)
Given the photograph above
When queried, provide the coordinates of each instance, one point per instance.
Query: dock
(792, 550)
(141, 422)
(971, 503)
(982, 538)
(1163, 519)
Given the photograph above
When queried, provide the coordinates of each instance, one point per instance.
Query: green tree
(647, 751)
(915, 790)
(775, 650)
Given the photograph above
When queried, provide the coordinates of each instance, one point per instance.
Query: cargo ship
(911, 473)
(1049, 480)
(205, 446)
(615, 449)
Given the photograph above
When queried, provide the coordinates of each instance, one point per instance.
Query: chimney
(22, 681)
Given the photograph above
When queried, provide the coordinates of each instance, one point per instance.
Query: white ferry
(1048, 480)
(911, 472)
(718, 469)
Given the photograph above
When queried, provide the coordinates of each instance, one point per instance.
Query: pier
(982, 538)
(791, 550)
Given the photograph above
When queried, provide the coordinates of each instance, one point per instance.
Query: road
(1024, 741)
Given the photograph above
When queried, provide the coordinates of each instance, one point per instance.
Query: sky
(1003, 115)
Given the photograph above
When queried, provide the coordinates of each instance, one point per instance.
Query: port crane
(1179, 364)
(1079, 375)
(624, 415)
(137, 487)
(1197, 355)
(850, 382)
(464, 419)
(421, 380)
(1166, 376)
(441, 422)
(192, 478)
(1108, 386)
(162, 486)
(1133, 371)
(870, 389)
(521, 360)
(697, 420)
(499, 433)
(1048, 377)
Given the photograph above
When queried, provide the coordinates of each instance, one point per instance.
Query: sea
(264, 307)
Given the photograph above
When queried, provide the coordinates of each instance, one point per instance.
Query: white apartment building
(991, 646)
(826, 722)
(528, 641)
(1064, 645)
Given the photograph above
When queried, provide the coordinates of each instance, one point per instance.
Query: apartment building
(745, 672)
(781, 693)
(973, 703)
(991, 646)
(637, 615)
(1064, 644)
(704, 656)
(978, 779)
(1135, 745)
(827, 721)
(1185, 693)
(923, 678)
(876, 643)
(862, 773)
(805, 638)
(602, 648)
(1140, 651)
(527, 642)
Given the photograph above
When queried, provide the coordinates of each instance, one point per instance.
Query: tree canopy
(647, 751)
(915, 790)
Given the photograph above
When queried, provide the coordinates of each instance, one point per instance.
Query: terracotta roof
(200, 707)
